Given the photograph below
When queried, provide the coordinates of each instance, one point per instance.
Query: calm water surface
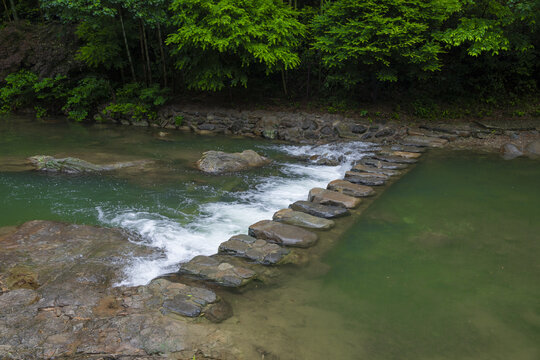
(444, 265)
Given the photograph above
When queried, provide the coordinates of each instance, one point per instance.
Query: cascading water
(217, 221)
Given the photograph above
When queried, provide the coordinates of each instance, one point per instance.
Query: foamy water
(218, 221)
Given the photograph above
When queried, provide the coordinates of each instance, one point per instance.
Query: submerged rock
(258, 250)
(74, 165)
(217, 162)
(348, 188)
(369, 179)
(510, 151)
(302, 219)
(320, 210)
(222, 273)
(330, 197)
(533, 149)
(282, 234)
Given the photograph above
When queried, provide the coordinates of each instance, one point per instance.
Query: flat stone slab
(405, 148)
(425, 141)
(374, 170)
(258, 250)
(283, 234)
(319, 210)
(298, 218)
(394, 159)
(330, 197)
(402, 153)
(382, 164)
(225, 274)
(365, 178)
(348, 188)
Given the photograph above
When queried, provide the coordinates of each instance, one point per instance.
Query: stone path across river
(56, 298)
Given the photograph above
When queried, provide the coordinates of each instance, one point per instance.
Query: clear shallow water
(170, 205)
(443, 265)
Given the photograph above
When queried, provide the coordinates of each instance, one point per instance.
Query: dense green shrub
(84, 98)
(134, 102)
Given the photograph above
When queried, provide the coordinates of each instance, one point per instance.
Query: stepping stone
(298, 218)
(395, 159)
(182, 305)
(375, 170)
(320, 210)
(348, 188)
(382, 164)
(413, 149)
(329, 197)
(366, 178)
(401, 153)
(182, 299)
(282, 234)
(425, 141)
(258, 250)
(225, 274)
(407, 154)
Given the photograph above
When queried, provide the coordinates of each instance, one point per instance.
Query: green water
(444, 265)
(170, 186)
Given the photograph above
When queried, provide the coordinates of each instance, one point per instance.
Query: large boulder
(298, 218)
(319, 210)
(74, 165)
(217, 162)
(330, 197)
(282, 234)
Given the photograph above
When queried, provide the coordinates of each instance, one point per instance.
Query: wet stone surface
(319, 210)
(222, 273)
(405, 148)
(283, 234)
(257, 250)
(330, 197)
(382, 164)
(394, 159)
(61, 301)
(348, 188)
(298, 218)
(372, 169)
(369, 179)
(426, 141)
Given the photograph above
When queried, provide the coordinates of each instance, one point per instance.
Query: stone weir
(57, 298)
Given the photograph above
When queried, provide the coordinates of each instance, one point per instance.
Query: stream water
(168, 205)
(443, 265)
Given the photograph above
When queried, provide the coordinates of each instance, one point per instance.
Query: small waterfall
(218, 221)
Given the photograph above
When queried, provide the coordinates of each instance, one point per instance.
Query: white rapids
(218, 221)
